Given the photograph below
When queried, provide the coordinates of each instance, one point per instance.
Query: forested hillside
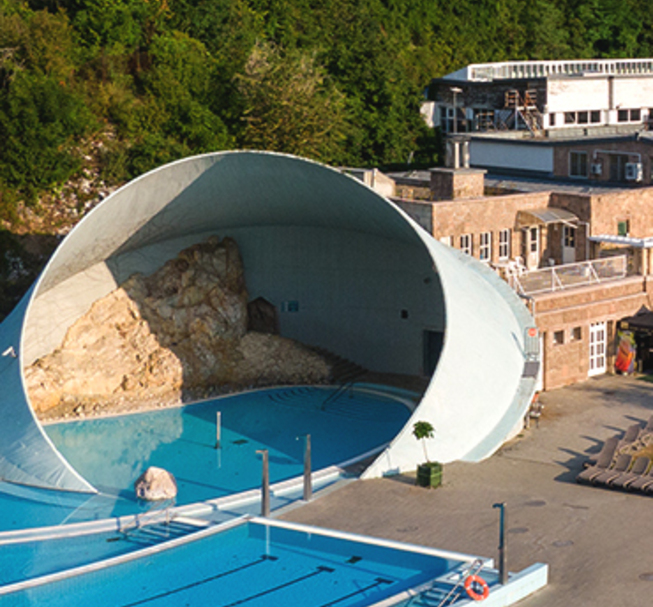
(95, 92)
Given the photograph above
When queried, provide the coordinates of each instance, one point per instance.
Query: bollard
(218, 428)
(503, 569)
(265, 484)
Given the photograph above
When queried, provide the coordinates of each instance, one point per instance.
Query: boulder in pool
(156, 484)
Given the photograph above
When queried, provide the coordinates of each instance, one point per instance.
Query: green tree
(290, 105)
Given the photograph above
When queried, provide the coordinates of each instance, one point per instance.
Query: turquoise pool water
(112, 452)
(252, 564)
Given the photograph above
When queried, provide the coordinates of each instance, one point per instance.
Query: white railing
(570, 275)
(540, 69)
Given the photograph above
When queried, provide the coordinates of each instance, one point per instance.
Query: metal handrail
(473, 569)
(556, 278)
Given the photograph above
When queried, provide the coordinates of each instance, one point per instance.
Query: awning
(626, 241)
(545, 216)
(641, 321)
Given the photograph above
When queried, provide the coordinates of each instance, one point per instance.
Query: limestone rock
(178, 333)
(156, 484)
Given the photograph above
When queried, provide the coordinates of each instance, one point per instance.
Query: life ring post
(503, 569)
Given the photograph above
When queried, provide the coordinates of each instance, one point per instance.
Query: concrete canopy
(365, 281)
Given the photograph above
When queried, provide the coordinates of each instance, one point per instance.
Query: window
(534, 240)
(485, 250)
(632, 115)
(504, 244)
(576, 334)
(570, 117)
(466, 243)
(583, 117)
(552, 119)
(558, 338)
(578, 164)
(595, 116)
(569, 236)
(623, 227)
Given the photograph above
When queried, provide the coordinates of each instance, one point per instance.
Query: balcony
(567, 276)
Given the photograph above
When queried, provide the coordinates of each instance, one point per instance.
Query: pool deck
(596, 541)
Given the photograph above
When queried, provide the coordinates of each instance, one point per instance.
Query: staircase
(343, 371)
(163, 531)
(525, 107)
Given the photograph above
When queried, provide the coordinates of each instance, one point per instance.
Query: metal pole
(265, 484)
(218, 428)
(308, 488)
(503, 569)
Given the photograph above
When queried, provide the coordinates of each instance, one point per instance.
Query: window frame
(467, 244)
(485, 247)
(504, 244)
(578, 162)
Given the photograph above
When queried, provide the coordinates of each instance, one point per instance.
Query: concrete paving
(597, 542)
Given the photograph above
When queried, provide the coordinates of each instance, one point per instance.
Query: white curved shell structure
(366, 283)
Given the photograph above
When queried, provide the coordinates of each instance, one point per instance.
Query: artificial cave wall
(178, 334)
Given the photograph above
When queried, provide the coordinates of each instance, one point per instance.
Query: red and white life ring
(476, 587)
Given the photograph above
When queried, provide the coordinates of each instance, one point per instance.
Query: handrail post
(308, 488)
(503, 570)
(218, 428)
(265, 483)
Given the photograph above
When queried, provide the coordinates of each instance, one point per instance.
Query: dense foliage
(337, 80)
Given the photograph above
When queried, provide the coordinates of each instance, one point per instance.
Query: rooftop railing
(570, 275)
(541, 69)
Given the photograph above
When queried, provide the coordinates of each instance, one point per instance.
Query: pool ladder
(160, 524)
(436, 597)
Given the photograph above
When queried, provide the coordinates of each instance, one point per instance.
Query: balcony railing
(570, 275)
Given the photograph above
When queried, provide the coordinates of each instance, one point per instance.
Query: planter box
(429, 474)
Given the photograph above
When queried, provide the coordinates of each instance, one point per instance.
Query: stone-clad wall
(567, 362)
(488, 214)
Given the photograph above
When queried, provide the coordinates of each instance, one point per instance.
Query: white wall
(351, 288)
(510, 154)
(575, 94)
(633, 92)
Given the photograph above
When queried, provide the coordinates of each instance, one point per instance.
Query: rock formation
(178, 333)
(156, 484)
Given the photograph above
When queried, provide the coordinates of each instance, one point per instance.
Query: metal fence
(571, 275)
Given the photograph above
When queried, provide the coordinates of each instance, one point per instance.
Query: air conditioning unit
(634, 171)
(597, 168)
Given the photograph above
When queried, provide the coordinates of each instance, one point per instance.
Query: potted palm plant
(429, 474)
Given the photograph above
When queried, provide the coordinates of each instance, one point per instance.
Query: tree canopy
(337, 81)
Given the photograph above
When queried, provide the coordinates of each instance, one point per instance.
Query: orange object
(474, 582)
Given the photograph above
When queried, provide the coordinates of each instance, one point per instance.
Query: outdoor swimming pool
(112, 452)
(259, 563)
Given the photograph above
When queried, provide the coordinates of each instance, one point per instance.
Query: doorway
(433, 343)
(568, 244)
(598, 339)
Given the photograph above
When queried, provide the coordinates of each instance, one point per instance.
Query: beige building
(580, 260)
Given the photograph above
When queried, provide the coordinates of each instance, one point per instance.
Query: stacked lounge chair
(642, 483)
(620, 464)
(603, 460)
(623, 481)
(617, 466)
